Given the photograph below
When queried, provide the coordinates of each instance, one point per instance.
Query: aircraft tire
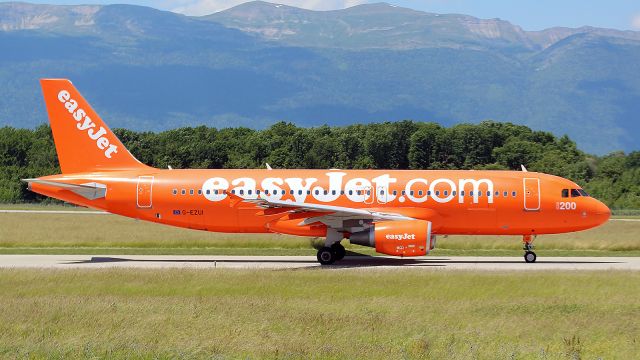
(339, 250)
(530, 257)
(326, 256)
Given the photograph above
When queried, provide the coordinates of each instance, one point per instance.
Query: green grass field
(332, 314)
(110, 234)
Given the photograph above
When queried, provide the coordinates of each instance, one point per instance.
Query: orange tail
(83, 141)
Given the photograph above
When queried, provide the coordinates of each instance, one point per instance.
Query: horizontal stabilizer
(89, 191)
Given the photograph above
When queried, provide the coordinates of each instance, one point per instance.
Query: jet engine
(397, 238)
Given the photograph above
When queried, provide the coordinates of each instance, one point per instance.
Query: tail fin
(83, 141)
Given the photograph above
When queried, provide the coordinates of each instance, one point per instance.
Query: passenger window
(249, 192)
(291, 192)
(183, 192)
(437, 192)
(488, 193)
(233, 191)
(513, 194)
(497, 193)
(241, 192)
(199, 191)
(350, 192)
(462, 193)
(575, 193)
(317, 192)
(258, 192)
(327, 191)
(411, 192)
(308, 192)
(175, 191)
(470, 193)
(404, 192)
(299, 192)
(453, 193)
(505, 194)
(283, 192)
(395, 192)
(333, 192)
(420, 192)
(446, 193)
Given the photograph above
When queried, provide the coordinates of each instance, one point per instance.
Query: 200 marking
(566, 205)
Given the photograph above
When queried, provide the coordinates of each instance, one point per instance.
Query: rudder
(83, 141)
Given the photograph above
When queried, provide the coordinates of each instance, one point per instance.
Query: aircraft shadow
(351, 260)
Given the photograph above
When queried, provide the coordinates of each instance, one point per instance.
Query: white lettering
(85, 123)
(449, 191)
(333, 193)
(475, 188)
(357, 188)
(214, 189)
(411, 192)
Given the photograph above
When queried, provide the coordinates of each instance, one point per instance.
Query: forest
(614, 178)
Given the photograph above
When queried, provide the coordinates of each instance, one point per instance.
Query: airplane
(397, 212)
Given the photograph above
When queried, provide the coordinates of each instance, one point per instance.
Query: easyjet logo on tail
(84, 123)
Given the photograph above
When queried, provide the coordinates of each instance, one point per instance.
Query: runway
(309, 262)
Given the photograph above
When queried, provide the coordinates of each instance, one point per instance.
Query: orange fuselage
(456, 202)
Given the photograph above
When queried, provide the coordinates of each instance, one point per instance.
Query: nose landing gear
(529, 255)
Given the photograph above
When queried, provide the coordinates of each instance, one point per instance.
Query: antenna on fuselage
(524, 169)
(268, 166)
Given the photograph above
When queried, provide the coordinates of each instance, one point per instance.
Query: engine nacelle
(397, 238)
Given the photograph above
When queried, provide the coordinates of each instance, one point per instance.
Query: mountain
(258, 63)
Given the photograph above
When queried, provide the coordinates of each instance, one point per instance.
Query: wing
(337, 217)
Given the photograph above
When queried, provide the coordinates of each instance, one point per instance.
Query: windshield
(574, 192)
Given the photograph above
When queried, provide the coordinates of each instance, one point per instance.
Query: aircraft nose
(601, 212)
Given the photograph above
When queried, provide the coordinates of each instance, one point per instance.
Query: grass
(109, 234)
(335, 314)
(62, 233)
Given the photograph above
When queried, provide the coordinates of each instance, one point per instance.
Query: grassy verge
(100, 234)
(318, 314)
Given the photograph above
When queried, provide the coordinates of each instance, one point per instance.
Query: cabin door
(369, 195)
(381, 194)
(144, 192)
(531, 194)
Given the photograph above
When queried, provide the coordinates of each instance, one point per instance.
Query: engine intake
(397, 238)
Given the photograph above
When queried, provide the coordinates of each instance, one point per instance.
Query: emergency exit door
(144, 192)
(531, 194)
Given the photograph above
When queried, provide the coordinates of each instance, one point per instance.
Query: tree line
(614, 178)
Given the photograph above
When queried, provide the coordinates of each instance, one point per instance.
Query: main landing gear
(329, 255)
(529, 255)
(332, 250)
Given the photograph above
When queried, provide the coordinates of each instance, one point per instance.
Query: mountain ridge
(258, 63)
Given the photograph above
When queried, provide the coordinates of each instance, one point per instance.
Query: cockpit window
(575, 193)
(583, 193)
(565, 193)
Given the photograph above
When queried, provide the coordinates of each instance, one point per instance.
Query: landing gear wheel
(530, 257)
(326, 256)
(339, 250)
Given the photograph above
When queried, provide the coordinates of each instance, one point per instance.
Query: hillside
(258, 63)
